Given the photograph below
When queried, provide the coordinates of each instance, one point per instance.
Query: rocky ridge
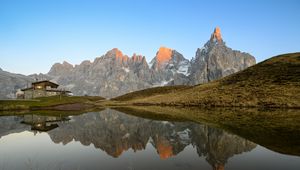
(114, 73)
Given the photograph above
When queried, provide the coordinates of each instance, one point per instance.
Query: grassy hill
(272, 83)
(150, 92)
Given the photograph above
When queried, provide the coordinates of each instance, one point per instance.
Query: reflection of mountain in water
(115, 132)
(11, 124)
(217, 145)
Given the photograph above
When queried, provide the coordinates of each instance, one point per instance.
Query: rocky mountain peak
(215, 60)
(164, 54)
(216, 35)
(66, 64)
(137, 58)
(86, 62)
(168, 63)
(117, 54)
(59, 69)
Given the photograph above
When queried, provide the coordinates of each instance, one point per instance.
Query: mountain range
(115, 74)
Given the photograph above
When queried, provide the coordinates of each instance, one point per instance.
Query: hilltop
(272, 83)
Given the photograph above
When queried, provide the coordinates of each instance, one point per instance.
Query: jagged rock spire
(216, 35)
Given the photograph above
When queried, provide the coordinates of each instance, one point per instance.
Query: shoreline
(81, 106)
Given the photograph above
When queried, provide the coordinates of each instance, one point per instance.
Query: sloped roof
(45, 81)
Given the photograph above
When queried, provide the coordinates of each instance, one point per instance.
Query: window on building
(38, 87)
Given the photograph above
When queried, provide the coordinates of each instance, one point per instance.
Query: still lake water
(114, 140)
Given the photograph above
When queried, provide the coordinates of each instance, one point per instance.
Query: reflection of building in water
(115, 132)
(42, 123)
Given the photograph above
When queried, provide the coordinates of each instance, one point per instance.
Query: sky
(35, 34)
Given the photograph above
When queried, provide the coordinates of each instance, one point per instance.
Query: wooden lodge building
(43, 88)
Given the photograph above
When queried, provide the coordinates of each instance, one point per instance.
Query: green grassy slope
(49, 102)
(272, 83)
(150, 91)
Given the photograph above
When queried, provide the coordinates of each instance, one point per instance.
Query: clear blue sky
(34, 34)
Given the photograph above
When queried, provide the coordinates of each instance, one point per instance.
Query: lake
(110, 139)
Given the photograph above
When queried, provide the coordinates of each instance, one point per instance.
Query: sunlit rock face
(169, 65)
(163, 56)
(216, 35)
(116, 133)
